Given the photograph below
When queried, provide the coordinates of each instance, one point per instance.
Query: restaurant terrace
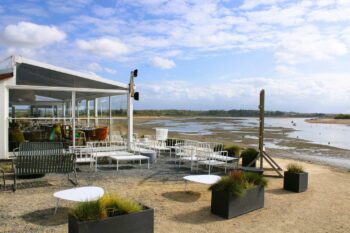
(45, 103)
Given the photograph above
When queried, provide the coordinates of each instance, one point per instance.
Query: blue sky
(195, 54)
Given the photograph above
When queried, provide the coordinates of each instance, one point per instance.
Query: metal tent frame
(22, 75)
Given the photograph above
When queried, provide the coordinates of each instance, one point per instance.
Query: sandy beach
(329, 121)
(324, 207)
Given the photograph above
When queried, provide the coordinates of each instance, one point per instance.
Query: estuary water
(335, 135)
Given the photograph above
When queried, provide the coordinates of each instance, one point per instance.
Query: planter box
(295, 182)
(140, 222)
(246, 162)
(227, 206)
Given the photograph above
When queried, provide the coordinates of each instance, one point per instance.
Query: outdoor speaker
(135, 73)
(136, 96)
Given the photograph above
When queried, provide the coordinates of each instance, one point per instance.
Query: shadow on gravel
(278, 191)
(182, 196)
(200, 216)
(46, 217)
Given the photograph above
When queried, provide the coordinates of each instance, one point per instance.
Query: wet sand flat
(277, 140)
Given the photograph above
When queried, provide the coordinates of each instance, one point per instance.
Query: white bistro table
(88, 193)
(202, 179)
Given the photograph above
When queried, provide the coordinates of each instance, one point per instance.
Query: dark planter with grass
(140, 222)
(228, 206)
(295, 182)
(248, 156)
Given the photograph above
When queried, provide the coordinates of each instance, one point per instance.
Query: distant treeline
(342, 116)
(223, 113)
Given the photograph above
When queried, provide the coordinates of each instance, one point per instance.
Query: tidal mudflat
(293, 138)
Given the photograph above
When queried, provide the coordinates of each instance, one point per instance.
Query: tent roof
(30, 72)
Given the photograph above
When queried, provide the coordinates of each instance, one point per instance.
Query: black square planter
(246, 162)
(140, 222)
(295, 182)
(227, 206)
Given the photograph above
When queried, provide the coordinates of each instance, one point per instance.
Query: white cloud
(306, 44)
(30, 35)
(283, 16)
(103, 11)
(250, 4)
(106, 47)
(337, 14)
(66, 7)
(286, 70)
(95, 67)
(163, 63)
(29, 9)
(308, 93)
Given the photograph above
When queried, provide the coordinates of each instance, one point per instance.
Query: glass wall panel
(36, 130)
(106, 121)
(119, 105)
(39, 116)
(46, 116)
(33, 103)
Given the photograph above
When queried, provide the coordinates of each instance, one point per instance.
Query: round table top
(88, 193)
(203, 179)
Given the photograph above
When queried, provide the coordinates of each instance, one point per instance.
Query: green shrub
(295, 168)
(86, 211)
(249, 154)
(255, 178)
(233, 150)
(237, 182)
(7, 167)
(230, 185)
(116, 205)
(106, 206)
(342, 116)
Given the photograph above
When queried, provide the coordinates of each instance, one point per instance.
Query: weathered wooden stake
(262, 154)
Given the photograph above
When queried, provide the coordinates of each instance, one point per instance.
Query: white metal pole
(110, 118)
(64, 113)
(78, 109)
(130, 121)
(130, 112)
(53, 114)
(88, 112)
(96, 112)
(73, 116)
(4, 124)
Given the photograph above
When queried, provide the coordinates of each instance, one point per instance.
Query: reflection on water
(325, 134)
(335, 135)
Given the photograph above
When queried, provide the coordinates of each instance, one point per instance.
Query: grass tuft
(86, 211)
(237, 182)
(106, 206)
(295, 168)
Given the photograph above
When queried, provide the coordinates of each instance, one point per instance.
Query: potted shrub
(249, 155)
(110, 214)
(295, 178)
(232, 150)
(237, 194)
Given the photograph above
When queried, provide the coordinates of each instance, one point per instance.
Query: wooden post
(262, 154)
(261, 128)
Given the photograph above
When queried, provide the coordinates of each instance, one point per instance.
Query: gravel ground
(324, 207)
